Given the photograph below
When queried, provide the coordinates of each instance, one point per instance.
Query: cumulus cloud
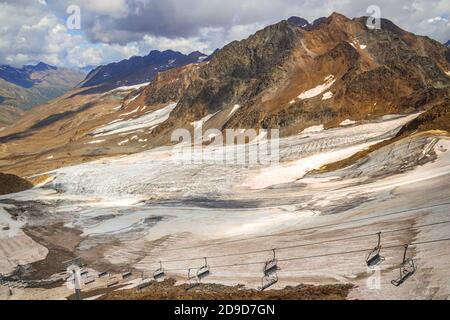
(34, 30)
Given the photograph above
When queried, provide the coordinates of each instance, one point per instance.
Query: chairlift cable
(318, 256)
(309, 244)
(310, 228)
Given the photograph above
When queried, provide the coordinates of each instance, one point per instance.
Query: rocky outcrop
(11, 184)
(279, 76)
(436, 118)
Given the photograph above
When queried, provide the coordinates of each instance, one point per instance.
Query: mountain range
(291, 75)
(31, 85)
(137, 70)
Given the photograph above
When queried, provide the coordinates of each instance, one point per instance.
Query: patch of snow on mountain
(121, 143)
(297, 169)
(347, 122)
(129, 88)
(134, 98)
(152, 119)
(95, 142)
(327, 95)
(235, 108)
(314, 129)
(202, 121)
(329, 81)
(131, 112)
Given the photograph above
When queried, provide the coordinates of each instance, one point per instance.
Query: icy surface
(146, 121)
(130, 88)
(347, 122)
(147, 207)
(327, 95)
(235, 108)
(314, 129)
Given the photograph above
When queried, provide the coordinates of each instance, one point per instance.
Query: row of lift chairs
(407, 267)
(270, 269)
(374, 258)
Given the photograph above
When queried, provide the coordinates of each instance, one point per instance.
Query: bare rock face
(289, 77)
(170, 86)
(11, 184)
(436, 118)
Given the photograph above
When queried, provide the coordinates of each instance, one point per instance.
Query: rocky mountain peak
(41, 66)
(299, 22)
(288, 77)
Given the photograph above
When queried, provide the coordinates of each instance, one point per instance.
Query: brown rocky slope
(374, 72)
(10, 184)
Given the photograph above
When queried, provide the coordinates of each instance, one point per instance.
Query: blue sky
(111, 30)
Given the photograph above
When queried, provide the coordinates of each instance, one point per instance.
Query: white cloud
(437, 20)
(117, 29)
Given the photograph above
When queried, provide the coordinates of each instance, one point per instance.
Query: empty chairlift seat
(126, 274)
(89, 280)
(145, 282)
(192, 280)
(268, 281)
(204, 270)
(374, 257)
(270, 269)
(407, 269)
(271, 265)
(159, 273)
(112, 281)
(84, 272)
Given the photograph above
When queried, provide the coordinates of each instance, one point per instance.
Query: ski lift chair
(159, 273)
(127, 273)
(204, 270)
(374, 258)
(267, 281)
(145, 282)
(112, 281)
(271, 266)
(89, 280)
(84, 272)
(192, 280)
(407, 269)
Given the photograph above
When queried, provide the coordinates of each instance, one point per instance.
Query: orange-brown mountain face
(289, 78)
(80, 127)
(284, 76)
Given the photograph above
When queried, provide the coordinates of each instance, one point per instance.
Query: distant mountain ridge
(138, 69)
(23, 76)
(304, 24)
(31, 85)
